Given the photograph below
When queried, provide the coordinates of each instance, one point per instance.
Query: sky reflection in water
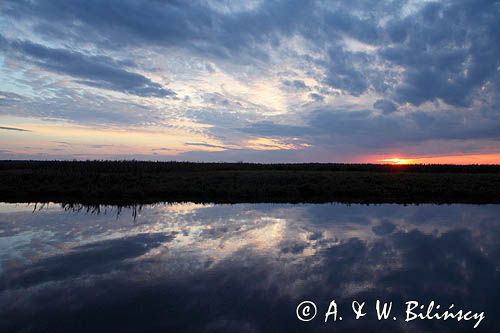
(243, 268)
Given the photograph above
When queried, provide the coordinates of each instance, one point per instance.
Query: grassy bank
(130, 182)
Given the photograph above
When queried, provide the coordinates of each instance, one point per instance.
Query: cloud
(235, 65)
(91, 258)
(203, 144)
(95, 71)
(448, 51)
(14, 129)
(385, 105)
(9, 98)
(316, 97)
(296, 84)
(367, 129)
(344, 72)
(344, 131)
(191, 24)
(269, 128)
(163, 149)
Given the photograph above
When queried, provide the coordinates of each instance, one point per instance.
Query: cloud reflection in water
(242, 268)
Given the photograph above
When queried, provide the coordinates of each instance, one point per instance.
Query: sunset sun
(397, 161)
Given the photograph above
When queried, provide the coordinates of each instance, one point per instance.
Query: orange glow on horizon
(397, 161)
(445, 159)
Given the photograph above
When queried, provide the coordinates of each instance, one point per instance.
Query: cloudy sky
(266, 81)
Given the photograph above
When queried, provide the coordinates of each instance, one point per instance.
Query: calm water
(245, 268)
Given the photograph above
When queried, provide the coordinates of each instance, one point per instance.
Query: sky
(256, 81)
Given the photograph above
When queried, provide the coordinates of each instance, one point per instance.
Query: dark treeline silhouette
(135, 182)
(148, 166)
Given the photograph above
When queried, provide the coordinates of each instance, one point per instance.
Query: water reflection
(242, 268)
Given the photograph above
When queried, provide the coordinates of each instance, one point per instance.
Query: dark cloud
(448, 51)
(96, 71)
(168, 21)
(344, 71)
(163, 149)
(384, 228)
(385, 105)
(203, 144)
(14, 129)
(316, 97)
(92, 258)
(296, 84)
(362, 126)
(292, 247)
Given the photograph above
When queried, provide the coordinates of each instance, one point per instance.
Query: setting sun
(397, 161)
